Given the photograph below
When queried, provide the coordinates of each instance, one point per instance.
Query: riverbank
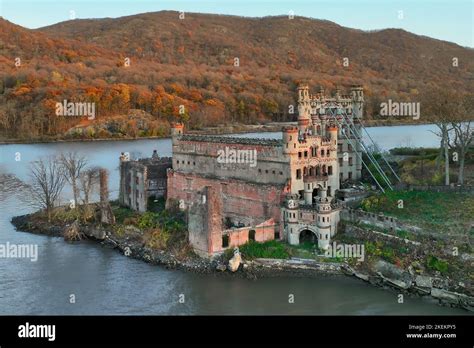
(380, 273)
(220, 130)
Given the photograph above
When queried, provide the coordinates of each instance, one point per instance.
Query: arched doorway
(308, 236)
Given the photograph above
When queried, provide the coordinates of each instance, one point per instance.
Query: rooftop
(231, 140)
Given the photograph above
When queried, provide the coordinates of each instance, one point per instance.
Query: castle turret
(177, 129)
(357, 94)
(304, 108)
(290, 139)
(323, 206)
(332, 132)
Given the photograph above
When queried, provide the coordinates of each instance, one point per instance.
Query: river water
(105, 282)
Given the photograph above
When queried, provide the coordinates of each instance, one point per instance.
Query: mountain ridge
(192, 62)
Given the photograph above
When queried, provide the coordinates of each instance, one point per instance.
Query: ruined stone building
(240, 189)
(141, 179)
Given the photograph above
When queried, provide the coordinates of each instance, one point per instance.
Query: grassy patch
(438, 211)
(268, 250)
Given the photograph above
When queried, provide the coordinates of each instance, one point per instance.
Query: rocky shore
(382, 274)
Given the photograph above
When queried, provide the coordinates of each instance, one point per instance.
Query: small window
(277, 235)
(299, 154)
(225, 241)
(298, 173)
(306, 154)
(252, 235)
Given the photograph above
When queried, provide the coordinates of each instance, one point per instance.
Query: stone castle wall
(235, 201)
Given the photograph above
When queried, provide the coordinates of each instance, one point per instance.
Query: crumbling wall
(243, 202)
(205, 222)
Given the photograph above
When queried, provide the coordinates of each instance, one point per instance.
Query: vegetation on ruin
(157, 228)
(269, 250)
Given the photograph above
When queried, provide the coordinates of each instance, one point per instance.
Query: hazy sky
(450, 20)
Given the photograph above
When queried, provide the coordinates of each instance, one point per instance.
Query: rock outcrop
(235, 261)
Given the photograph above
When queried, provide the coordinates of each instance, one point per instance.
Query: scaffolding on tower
(345, 122)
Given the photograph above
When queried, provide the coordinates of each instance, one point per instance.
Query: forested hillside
(223, 69)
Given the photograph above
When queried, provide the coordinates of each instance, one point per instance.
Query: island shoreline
(249, 269)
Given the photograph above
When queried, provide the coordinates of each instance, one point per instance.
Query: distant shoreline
(220, 130)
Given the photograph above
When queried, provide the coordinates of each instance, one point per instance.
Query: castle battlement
(231, 140)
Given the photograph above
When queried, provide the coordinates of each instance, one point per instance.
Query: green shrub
(269, 250)
(433, 263)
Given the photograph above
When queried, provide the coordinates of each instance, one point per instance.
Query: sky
(450, 20)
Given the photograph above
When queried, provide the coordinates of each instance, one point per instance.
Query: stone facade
(141, 179)
(313, 118)
(262, 189)
(241, 189)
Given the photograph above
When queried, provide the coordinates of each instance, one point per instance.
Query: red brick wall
(260, 202)
(230, 197)
(263, 233)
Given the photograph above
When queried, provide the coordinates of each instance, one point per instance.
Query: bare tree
(73, 166)
(462, 140)
(89, 180)
(47, 183)
(445, 106)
